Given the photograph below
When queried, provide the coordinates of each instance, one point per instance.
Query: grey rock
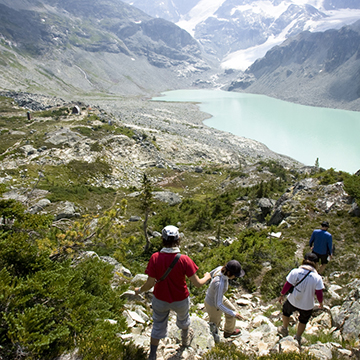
(197, 246)
(355, 209)
(29, 150)
(64, 136)
(135, 194)
(139, 279)
(5, 179)
(346, 316)
(288, 344)
(321, 351)
(15, 195)
(119, 269)
(70, 356)
(167, 197)
(39, 206)
(203, 338)
(66, 210)
(134, 218)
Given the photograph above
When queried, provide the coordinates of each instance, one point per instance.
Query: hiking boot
(186, 336)
(235, 333)
(298, 339)
(283, 331)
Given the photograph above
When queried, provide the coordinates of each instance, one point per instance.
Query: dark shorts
(323, 258)
(289, 309)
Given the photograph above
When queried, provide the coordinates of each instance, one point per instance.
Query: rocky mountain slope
(77, 48)
(164, 135)
(239, 32)
(319, 69)
(62, 47)
(231, 197)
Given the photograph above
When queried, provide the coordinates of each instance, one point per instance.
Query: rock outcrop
(259, 334)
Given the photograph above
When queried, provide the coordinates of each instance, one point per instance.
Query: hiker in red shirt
(170, 291)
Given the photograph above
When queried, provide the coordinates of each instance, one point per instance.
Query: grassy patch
(76, 193)
(52, 113)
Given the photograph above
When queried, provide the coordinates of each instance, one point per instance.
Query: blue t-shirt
(322, 241)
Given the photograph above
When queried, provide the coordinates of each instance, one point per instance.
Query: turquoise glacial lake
(304, 133)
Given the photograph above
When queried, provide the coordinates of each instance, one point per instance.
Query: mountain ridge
(240, 31)
(108, 46)
(322, 69)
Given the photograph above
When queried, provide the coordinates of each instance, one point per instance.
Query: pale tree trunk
(147, 245)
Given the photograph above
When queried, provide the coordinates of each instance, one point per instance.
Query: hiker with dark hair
(216, 303)
(321, 245)
(303, 284)
(167, 271)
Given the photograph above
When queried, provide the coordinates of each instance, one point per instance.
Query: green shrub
(331, 176)
(102, 342)
(47, 306)
(352, 187)
(84, 130)
(56, 113)
(274, 167)
(89, 169)
(224, 351)
(75, 193)
(96, 147)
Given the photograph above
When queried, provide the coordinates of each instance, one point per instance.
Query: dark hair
(171, 242)
(226, 272)
(311, 263)
(325, 224)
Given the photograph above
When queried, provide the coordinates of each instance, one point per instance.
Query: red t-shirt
(173, 288)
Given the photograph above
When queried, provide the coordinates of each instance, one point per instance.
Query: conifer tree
(50, 305)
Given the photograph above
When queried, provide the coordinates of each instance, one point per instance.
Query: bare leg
(300, 329)
(322, 268)
(286, 321)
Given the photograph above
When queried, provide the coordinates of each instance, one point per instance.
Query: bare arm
(199, 282)
(150, 282)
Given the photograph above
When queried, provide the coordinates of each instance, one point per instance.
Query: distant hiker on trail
(167, 270)
(305, 283)
(321, 245)
(216, 303)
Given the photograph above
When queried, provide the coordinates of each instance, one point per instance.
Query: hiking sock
(153, 350)
(186, 336)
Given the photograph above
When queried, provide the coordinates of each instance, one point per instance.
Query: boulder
(64, 136)
(321, 351)
(66, 210)
(119, 269)
(28, 150)
(355, 209)
(39, 206)
(203, 338)
(346, 317)
(167, 197)
(288, 344)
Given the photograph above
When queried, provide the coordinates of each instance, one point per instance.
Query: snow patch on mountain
(199, 13)
(237, 32)
(335, 19)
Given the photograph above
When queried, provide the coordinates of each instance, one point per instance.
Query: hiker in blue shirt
(321, 245)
